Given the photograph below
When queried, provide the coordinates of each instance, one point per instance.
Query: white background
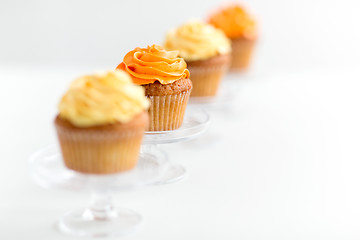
(283, 164)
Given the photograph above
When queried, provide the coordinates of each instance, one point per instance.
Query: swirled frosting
(197, 41)
(147, 65)
(103, 98)
(234, 21)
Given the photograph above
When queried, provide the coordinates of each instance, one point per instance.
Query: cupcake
(206, 50)
(101, 123)
(166, 81)
(241, 29)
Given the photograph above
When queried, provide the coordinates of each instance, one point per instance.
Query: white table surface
(284, 163)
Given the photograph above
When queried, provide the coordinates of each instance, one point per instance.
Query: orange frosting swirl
(147, 65)
(234, 21)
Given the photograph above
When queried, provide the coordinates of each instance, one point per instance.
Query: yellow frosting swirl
(197, 40)
(103, 98)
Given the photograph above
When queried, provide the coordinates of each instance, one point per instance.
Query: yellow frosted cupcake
(101, 123)
(241, 28)
(206, 50)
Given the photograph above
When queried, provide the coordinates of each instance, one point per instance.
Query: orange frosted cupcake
(101, 123)
(166, 81)
(241, 29)
(206, 50)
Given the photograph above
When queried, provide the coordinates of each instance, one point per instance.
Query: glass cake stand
(195, 123)
(100, 218)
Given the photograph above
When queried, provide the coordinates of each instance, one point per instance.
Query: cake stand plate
(195, 123)
(48, 170)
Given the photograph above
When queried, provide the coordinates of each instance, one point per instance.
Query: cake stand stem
(101, 207)
(174, 171)
(148, 148)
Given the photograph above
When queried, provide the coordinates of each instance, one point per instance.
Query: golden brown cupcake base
(206, 75)
(104, 149)
(242, 49)
(168, 104)
(158, 89)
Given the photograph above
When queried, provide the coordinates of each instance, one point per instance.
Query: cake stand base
(83, 223)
